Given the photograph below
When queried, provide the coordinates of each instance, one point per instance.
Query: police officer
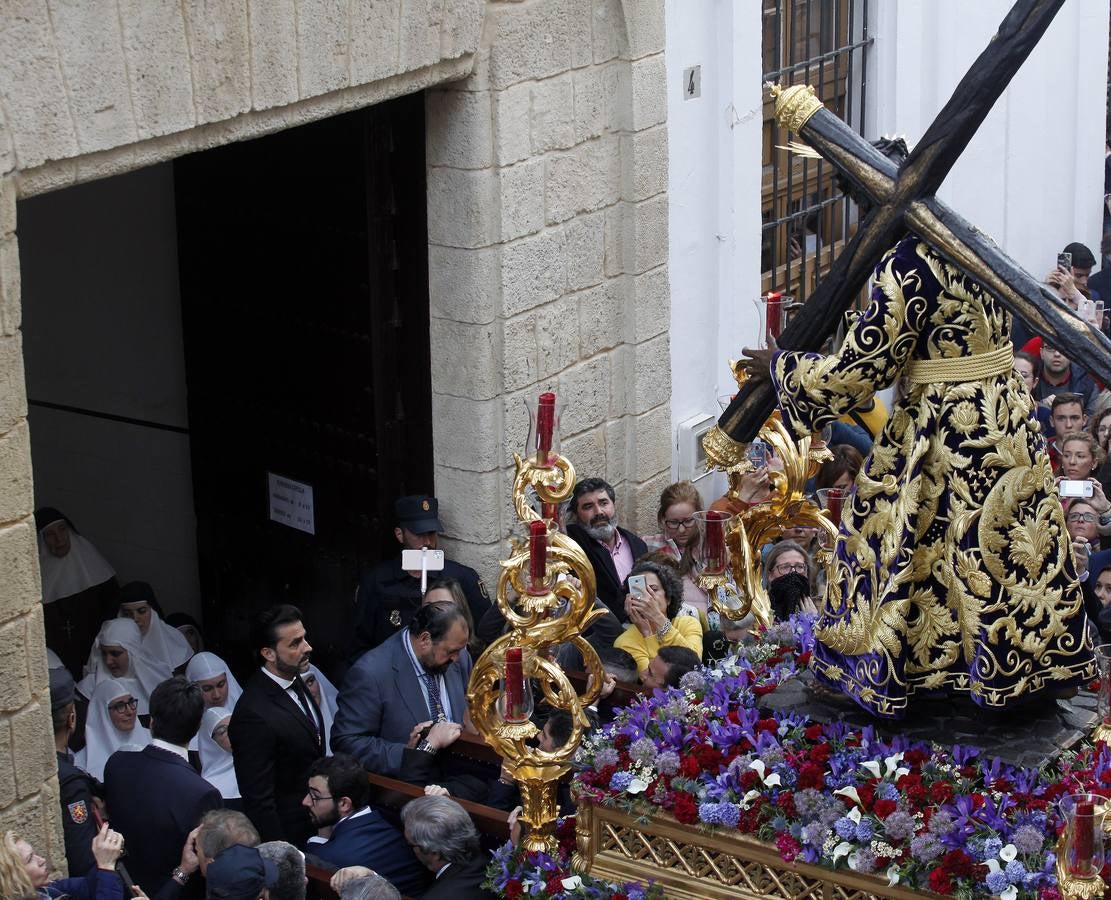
(75, 787)
(388, 596)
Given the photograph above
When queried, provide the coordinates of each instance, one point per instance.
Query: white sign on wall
(291, 503)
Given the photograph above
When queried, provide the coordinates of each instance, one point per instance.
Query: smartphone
(638, 585)
(411, 560)
(1064, 262)
(1074, 488)
(757, 454)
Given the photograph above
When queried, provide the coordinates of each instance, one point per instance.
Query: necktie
(306, 704)
(435, 705)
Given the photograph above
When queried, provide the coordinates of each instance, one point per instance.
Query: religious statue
(954, 571)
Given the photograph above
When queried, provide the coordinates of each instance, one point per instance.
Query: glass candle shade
(712, 552)
(538, 557)
(833, 502)
(1084, 853)
(771, 309)
(1103, 660)
(543, 438)
(515, 703)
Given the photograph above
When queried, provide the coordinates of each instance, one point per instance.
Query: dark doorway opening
(304, 294)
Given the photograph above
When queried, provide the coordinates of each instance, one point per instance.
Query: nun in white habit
(325, 694)
(217, 767)
(161, 642)
(218, 686)
(118, 654)
(113, 724)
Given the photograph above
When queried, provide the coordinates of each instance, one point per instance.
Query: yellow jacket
(685, 632)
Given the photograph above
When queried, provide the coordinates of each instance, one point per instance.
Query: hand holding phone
(1075, 488)
(638, 586)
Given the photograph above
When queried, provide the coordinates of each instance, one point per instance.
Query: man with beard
(416, 676)
(611, 550)
(351, 832)
(277, 729)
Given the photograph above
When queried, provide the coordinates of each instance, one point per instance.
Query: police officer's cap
(418, 513)
(61, 689)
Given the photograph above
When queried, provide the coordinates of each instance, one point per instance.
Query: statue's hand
(758, 363)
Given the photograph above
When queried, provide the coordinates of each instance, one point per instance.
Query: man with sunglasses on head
(155, 798)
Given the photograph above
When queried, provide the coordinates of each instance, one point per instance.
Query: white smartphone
(638, 586)
(433, 560)
(1074, 488)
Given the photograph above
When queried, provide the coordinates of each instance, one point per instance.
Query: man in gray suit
(416, 676)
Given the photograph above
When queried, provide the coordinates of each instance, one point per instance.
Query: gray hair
(372, 887)
(440, 825)
(291, 870)
(223, 828)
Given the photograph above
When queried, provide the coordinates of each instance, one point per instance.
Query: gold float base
(693, 865)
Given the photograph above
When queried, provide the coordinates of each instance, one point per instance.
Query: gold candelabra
(786, 506)
(543, 609)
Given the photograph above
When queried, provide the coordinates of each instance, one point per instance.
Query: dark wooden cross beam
(904, 200)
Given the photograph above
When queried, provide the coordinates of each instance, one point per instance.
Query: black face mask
(787, 592)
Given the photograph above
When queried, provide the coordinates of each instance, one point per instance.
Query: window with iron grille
(806, 219)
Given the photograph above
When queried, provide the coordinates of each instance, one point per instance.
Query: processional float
(543, 610)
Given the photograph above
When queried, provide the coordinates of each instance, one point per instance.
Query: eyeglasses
(676, 524)
(123, 706)
(1082, 517)
(315, 796)
(787, 568)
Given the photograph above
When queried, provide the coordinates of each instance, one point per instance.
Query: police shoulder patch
(482, 589)
(78, 812)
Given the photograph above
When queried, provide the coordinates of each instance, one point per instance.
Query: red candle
(514, 684)
(538, 552)
(836, 500)
(1084, 822)
(545, 423)
(715, 537)
(550, 511)
(774, 313)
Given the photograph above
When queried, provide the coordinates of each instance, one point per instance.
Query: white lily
(854, 814)
(757, 765)
(1008, 853)
(1010, 894)
(573, 883)
(993, 866)
(842, 849)
(746, 801)
(872, 766)
(892, 762)
(901, 771)
(849, 792)
(892, 875)
(637, 786)
(773, 780)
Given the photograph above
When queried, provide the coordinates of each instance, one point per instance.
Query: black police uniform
(388, 597)
(79, 826)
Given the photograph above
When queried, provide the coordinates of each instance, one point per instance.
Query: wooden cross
(904, 200)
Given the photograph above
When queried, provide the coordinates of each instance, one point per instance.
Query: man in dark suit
(611, 549)
(351, 832)
(444, 838)
(154, 797)
(415, 677)
(277, 730)
(388, 596)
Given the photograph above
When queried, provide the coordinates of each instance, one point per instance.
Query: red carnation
(802, 659)
(748, 780)
(914, 758)
(689, 767)
(621, 742)
(811, 776)
(685, 810)
(771, 726)
(867, 795)
(619, 897)
(941, 792)
(813, 732)
(957, 863)
(884, 808)
(554, 884)
(820, 753)
(786, 803)
(513, 888)
(940, 882)
(761, 689)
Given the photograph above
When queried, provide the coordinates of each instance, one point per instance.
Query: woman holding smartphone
(653, 596)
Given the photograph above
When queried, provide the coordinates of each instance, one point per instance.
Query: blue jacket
(381, 701)
(99, 884)
(367, 839)
(155, 798)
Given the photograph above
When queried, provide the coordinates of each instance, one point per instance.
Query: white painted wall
(714, 191)
(102, 331)
(1032, 177)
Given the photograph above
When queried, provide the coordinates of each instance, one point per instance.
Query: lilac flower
(864, 860)
(808, 803)
(941, 823)
(727, 814)
(845, 828)
(814, 834)
(864, 830)
(643, 751)
(1028, 839)
(898, 826)
(924, 847)
(607, 756)
(620, 781)
(667, 762)
(996, 883)
(693, 681)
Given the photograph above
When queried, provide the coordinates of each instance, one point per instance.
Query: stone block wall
(548, 259)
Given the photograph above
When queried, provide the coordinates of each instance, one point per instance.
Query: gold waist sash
(966, 368)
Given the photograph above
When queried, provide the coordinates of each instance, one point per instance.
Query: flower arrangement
(945, 820)
(514, 873)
